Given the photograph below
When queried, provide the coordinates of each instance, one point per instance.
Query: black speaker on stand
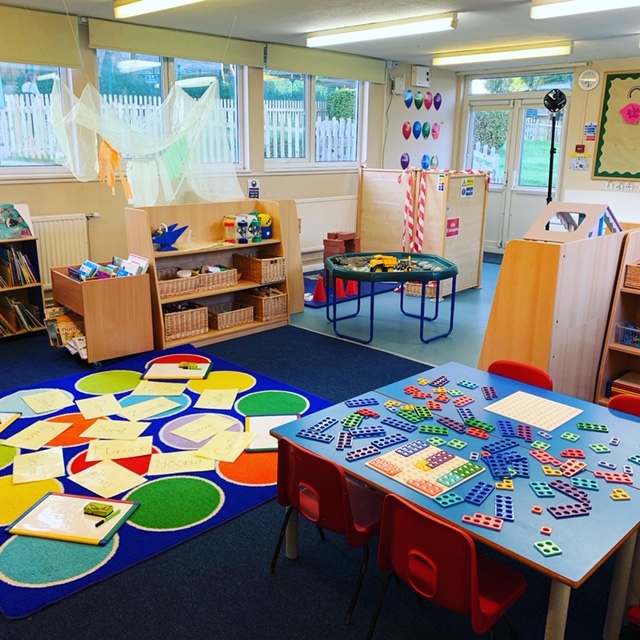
(554, 102)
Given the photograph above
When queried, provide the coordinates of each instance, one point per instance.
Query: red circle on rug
(171, 358)
(137, 464)
(71, 437)
(255, 468)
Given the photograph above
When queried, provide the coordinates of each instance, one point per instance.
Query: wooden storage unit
(619, 358)
(274, 262)
(31, 294)
(116, 312)
(552, 301)
(454, 219)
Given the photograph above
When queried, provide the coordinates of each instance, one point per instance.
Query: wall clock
(588, 79)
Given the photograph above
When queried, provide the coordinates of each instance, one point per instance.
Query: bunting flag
(407, 222)
(418, 238)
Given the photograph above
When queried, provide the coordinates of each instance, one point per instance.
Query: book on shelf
(26, 315)
(63, 325)
(88, 269)
(77, 345)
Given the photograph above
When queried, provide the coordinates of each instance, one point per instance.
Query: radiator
(318, 216)
(62, 240)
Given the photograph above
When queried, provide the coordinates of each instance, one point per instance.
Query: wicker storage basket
(268, 304)
(190, 319)
(260, 270)
(229, 314)
(169, 285)
(632, 276)
(415, 289)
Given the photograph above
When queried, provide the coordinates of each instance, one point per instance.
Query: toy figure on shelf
(241, 229)
(266, 226)
(165, 237)
(255, 229)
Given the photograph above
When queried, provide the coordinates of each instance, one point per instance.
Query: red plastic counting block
(573, 453)
(482, 520)
(545, 458)
(477, 433)
(621, 478)
(571, 467)
(545, 531)
(537, 509)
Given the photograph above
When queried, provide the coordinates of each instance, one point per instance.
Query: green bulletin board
(617, 153)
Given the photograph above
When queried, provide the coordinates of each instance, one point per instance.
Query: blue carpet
(35, 572)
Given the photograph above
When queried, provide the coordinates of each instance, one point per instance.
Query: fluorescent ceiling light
(496, 55)
(380, 30)
(554, 8)
(130, 8)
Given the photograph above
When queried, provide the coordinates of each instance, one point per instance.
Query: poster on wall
(617, 152)
(15, 221)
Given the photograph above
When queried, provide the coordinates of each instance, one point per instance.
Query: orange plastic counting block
(483, 520)
(536, 509)
(545, 531)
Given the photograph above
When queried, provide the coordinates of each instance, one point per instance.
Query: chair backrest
(436, 559)
(317, 488)
(626, 403)
(522, 372)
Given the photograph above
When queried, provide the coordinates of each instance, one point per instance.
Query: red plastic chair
(319, 490)
(625, 403)
(522, 372)
(439, 562)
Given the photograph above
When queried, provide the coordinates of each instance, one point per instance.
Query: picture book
(177, 371)
(260, 426)
(62, 516)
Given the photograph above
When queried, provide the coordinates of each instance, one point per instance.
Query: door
(512, 139)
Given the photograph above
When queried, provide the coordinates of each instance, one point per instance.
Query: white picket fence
(26, 136)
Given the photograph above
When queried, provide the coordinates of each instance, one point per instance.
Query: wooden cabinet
(181, 318)
(23, 286)
(619, 358)
(116, 312)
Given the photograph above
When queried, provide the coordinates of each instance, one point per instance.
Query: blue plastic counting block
(364, 452)
(412, 447)
(507, 430)
(479, 493)
(396, 423)
(344, 441)
(448, 499)
(465, 413)
(389, 441)
(367, 432)
(504, 507)
(499, 445)
(324, 424)
(361, 402)
(318, 436)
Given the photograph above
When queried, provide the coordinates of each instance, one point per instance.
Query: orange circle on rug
(15, 499)
(71, 437)
(137, 464)
(224, 380)
(172, 358)
(254, 469)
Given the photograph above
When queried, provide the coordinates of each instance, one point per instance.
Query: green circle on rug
(43, 563)
(272, 403)
(109, 382)
(7, 454)
(174, 503)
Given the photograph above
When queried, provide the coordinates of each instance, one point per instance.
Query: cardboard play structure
(553, 296)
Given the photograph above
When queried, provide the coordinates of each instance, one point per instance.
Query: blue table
(585, 541)
(438, 271)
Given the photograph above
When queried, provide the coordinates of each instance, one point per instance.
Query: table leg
(633, 592)
(291, 539)
(619, 585)
(557, 611)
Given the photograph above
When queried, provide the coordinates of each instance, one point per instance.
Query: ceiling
(481, 24)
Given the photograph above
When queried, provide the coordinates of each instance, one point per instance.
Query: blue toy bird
(165, 237)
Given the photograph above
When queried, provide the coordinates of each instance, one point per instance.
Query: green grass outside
(534, 164)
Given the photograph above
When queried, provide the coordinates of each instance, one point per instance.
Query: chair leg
(283, 530)
(378, 607)
(321, 532)
(356, 591)
(513, 634)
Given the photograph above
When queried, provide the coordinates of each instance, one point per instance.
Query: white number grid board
(538, 412)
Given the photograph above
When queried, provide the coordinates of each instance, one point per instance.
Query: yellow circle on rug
(224, 380)
(15, 499)
(116, 381)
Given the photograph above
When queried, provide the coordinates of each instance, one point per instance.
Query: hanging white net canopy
(180, 153)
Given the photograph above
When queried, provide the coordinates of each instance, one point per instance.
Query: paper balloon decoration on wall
(417, 129)
(418, 99)
(437, 101)
(426, 162)
(406, 130)
(405, 159)
(428, 99)
(426, 129)
(408, 97)
(435, 130)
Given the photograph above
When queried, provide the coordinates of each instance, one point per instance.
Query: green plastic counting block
(468, 469)
(423, 412)
(599, 448)
(538, 444)
(455, 393)
(352, 420)
(573, 437)
(548, 548)
(409, 416)
(457, 444)
(479, 424)
(432, 428)
(436, 441)
(587, 426)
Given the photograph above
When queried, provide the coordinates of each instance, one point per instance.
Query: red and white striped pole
(418, 238)
(407, 221)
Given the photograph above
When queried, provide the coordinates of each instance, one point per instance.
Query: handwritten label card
(37, 435)
(107, 479)
(149, 388)
(116, 449)
(48, 401)
(226, 446)
(204, 427)
(99, 406)
(179, 462)
(148, 408)
(217, 399)
(41, 465)
(115, 429)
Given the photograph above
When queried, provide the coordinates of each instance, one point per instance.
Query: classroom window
(299, 129)
(27, 138)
